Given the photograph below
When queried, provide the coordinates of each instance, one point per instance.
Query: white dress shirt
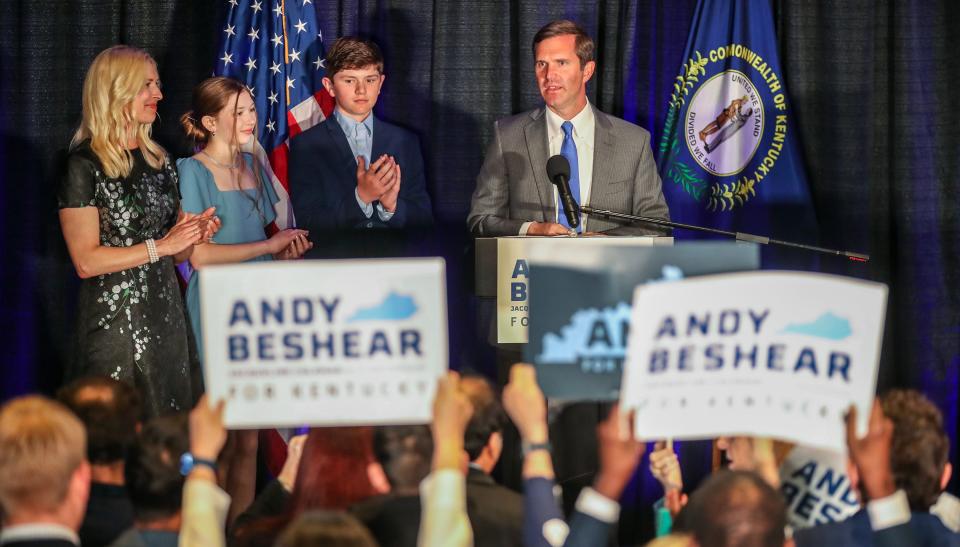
(584, 129)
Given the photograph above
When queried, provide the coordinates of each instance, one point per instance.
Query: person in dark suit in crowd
(110, 412)
(44, 474)
(917, 455)
(155, 483)
(611, 163)
(597, 508)
(354, 170)
(403, 454)
(495, 511)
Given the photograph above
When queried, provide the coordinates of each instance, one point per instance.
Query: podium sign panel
(767, 354)
(331, 342)
(513, 273)
(581, 307)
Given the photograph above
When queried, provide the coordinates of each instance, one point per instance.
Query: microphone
(558, 169)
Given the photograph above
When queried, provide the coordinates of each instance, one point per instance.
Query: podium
(502, 272)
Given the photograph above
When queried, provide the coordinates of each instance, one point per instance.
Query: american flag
(276, 48)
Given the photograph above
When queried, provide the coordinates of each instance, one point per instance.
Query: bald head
(736, 508)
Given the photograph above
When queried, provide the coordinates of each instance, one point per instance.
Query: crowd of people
(90, 468)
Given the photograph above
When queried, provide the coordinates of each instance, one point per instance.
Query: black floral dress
(131, 324)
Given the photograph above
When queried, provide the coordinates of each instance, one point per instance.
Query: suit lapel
(535, 133)
(336, 134)
(603, 154)
(345, 160)
(378, 145)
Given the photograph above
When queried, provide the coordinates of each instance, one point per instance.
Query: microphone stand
(739, 236)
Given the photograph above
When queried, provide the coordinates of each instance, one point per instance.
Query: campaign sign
(332, 342)
(816, 488)
(770, 354)
(514, 255)
(580, 307)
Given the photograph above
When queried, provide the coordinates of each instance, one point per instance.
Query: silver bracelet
(152, 251)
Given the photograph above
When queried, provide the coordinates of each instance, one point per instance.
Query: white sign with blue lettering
(815, 485)
(770, 354)
(332, 342)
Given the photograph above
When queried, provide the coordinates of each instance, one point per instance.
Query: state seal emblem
(724, 123)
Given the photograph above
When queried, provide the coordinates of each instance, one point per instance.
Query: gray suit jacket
(513, 188)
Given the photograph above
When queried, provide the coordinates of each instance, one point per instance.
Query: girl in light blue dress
(223, 119)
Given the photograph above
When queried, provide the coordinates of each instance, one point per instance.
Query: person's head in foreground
(735, 509)
(110, 412)
(483, 439)
(334, 469)
(154, 482)
(327, 528)
(918, 454)
(403, 453)
(44, 473)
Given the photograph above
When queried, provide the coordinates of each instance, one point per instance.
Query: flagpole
(739, 236)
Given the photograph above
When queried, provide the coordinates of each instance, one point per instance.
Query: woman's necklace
(236, 162)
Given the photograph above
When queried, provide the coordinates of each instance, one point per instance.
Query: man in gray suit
(611, 164)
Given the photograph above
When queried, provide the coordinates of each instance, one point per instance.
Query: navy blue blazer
(923, 529)
(539, 507)
(322, 173)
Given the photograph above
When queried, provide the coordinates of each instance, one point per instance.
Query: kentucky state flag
(729, 156)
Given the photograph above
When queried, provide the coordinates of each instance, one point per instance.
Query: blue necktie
(361, 136)
(569, 150)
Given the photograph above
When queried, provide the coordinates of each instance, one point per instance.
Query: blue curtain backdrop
(872, 84)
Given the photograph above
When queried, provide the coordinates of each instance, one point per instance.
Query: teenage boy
(354, 170)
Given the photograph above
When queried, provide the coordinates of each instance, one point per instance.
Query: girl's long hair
(113, 81)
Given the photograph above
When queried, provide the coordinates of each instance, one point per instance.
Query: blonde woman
(120, 217)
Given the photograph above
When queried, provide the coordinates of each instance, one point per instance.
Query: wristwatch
(188, 462)
(527, 448)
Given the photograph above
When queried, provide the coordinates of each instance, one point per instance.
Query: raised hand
(375, 181)
(525, 403)
(451, 413)
(619, 451)
(665, 467)
(288, 475)
(207, 432)
(871, 454)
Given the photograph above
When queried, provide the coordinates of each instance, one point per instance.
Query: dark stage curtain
(874, 91)
(872, 82)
